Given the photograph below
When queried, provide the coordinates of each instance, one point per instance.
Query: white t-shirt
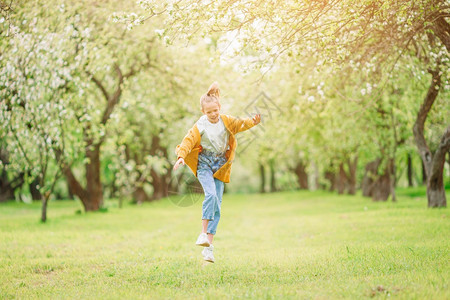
(214, 135)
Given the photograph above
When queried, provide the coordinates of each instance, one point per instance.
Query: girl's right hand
(178, 163)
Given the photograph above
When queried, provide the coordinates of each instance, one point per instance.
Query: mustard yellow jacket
(190, 146)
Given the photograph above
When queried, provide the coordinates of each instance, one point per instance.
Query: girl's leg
(210, 238)
(205, 176)
(204, 225)
(212, 225)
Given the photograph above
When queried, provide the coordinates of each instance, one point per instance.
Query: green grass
(307, 245)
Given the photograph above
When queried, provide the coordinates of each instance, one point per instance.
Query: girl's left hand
(256, 119)
(178, 163)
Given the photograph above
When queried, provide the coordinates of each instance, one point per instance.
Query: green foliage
(348, 78)
(38, 77)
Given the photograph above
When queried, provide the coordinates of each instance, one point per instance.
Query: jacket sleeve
(187, 144)
(239, 125)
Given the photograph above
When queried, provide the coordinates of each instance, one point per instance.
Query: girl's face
(211, 110)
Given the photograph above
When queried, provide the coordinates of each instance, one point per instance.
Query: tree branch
(99, 85)
(418, 128)
(114, 99)
(442, 30)
(74, 184)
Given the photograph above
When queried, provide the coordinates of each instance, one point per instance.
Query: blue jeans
(208, 164)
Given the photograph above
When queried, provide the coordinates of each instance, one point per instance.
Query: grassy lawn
(307, 245)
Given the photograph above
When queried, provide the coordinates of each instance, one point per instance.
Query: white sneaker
(208, 253)
(202, 240)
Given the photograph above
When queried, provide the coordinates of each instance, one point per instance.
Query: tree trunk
(273, 184)
(78, 190)
(35, 193)
(157, 185)
(262, 187)
(341, 180)
(392, 168)
(433, 164)
(370, 174)
(302, 176)
(160, 186)
(424, 173)
(70, 193)
(448, 162)
(160, 182)
(435, 184)
(44, 207)
(377, 186)
(8, 186)
(94, 187)
(331, 177)
(140, 196)
(75, 186)
(315, 180)
(92, 195)
(352, 166)
(409, 171)
(6, 193)
(382, 187)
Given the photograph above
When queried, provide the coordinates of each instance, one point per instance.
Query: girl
(209, 149)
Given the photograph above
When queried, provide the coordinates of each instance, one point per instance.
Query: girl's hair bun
(213, 94)
(214, 90)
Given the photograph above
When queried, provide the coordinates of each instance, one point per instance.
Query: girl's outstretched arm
(240, 125)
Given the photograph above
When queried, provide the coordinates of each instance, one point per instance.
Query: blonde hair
(213, 95)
